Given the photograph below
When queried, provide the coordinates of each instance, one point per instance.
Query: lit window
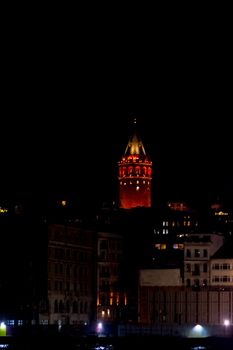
(160, 246)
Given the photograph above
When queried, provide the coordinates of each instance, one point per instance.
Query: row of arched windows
(73, 307)
(70, 271)
(132, 171)
(196, 283)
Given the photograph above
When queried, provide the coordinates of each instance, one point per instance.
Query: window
(85, 307)
(215, 279)
(55, 306)
(196, 271)
(75, 307)
(196, 283)
(205, 267)
(226, 279)
(67, 271)
(197, 253)
(81, 307)
(67, 306)
(103, 244)
(216, 267)
(61, 306)
(226, 266)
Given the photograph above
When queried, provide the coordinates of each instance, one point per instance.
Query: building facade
(71, 280)
(202, 295)
(111, 299)
(198, 249)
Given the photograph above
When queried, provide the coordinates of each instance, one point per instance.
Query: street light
(226, 323)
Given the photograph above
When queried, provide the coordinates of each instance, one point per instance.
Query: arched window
(81, 307)
(85, 307)
(67, 271)
(137, 170)
(130, 170)
(75, 307)
(61, 306)
(55, 306)
(75, 271)
(196, 283)
(67, 306)
(204, 283)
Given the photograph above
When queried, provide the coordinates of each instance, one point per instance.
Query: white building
(198, 249)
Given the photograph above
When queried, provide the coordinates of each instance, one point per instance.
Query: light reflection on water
(134, 343)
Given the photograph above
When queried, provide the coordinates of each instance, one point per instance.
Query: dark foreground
(114, 343)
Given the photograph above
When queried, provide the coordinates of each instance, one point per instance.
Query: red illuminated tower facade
(134, 175)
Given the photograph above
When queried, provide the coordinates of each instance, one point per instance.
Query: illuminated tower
(134, 175)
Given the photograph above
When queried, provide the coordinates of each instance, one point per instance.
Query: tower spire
(135, 145)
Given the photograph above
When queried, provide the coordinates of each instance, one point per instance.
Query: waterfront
(115, 343)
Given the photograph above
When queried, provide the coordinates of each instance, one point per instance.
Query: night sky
(66, 114)
(191, 156)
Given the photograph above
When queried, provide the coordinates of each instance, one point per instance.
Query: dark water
(117, 343)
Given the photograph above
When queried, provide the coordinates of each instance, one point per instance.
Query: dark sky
(66, 109)
(78, 154)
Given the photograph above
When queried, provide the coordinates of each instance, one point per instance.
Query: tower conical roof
(135, 145)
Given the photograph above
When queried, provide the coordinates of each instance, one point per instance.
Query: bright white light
(226, 322)
(99, 327)
(198, 331)
(2, 325)
(198, 328)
